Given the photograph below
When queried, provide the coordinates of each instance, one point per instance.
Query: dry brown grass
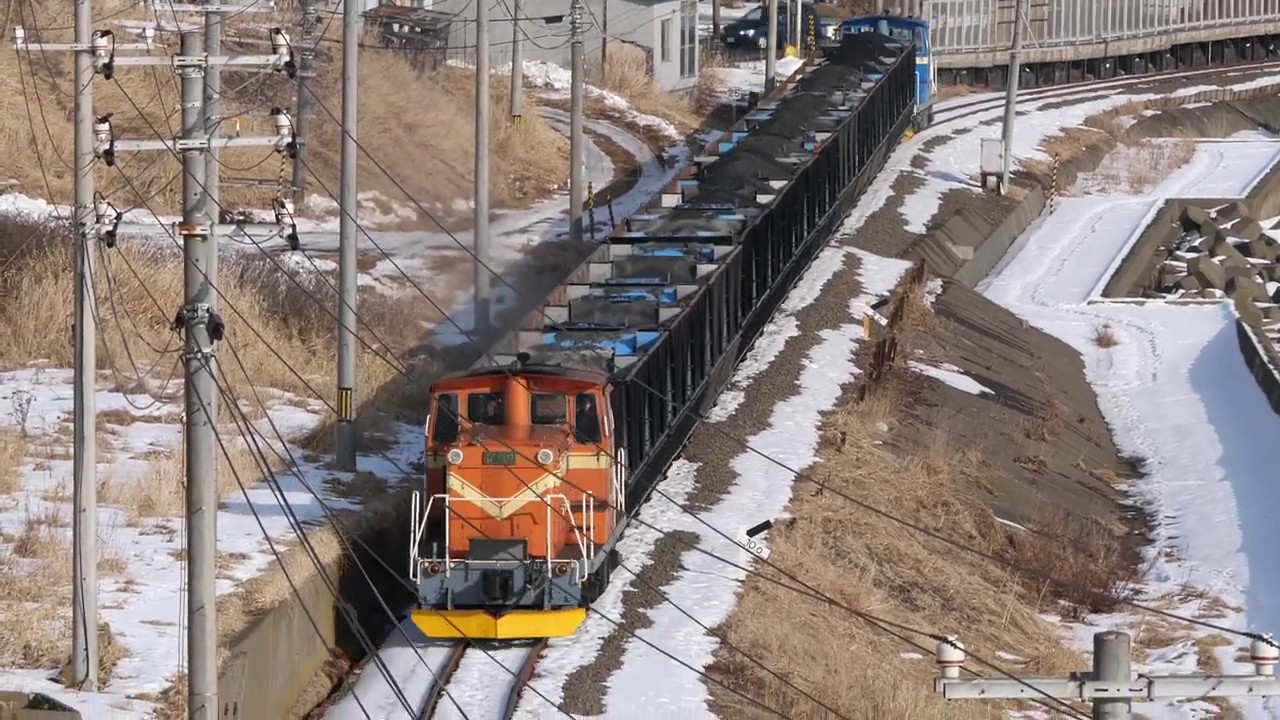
(12, 450)
(35, 597)
(875, 565)
(627, 74)
(1105, 337)
(429, 114)
(279, 331)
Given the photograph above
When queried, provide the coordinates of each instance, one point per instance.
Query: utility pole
(715, 20)
(306, 71)
(771, 48)
(796, 31)
(517, 64)
(200, 324)
(577, 159)
(345, 430)
(198, 246)
(211, 117)
(1011, 95)
(1110, 686)
(879, 7)
(480, 233)
(84, 524)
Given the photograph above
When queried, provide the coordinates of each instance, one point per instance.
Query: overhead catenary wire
(451, 233)
(403, 370)
(799, 474)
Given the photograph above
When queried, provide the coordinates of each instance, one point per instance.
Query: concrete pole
(84, 526)
(715, 20)
(1111, 664)
(879, 7)
(771, 48)
(202, 459)
(306, 71)
(517, 63)
(480, 244)
(577, 159)
(345, 430)
(797, 24)
(213, 207)
(1011, 94)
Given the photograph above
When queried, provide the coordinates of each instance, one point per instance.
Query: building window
(688, 38)
(664, 39)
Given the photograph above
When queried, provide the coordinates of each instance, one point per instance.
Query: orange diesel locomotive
(523, 503)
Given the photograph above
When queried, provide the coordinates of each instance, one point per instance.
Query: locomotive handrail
(585, 544)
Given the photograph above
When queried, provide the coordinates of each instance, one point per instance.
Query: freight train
(537, 458)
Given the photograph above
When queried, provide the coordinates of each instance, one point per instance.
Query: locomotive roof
(548, 369)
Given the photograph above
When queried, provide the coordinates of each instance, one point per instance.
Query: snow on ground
(548, 76)
(951, 375)
(763, 491)
(143, 603)
(747, 77)
(1177, 393)
(954, 163)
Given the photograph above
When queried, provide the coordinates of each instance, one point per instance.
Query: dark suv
(752, 29)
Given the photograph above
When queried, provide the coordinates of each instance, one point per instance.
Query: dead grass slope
(279, 329)
(419, 126)
(874, 565)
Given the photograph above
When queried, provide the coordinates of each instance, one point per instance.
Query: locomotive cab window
(486, 408)
(444, 417)
(547, 409)
(586, 420)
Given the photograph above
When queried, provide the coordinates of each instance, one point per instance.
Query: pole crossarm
(259, 7)
(178, 229)
(104, 48)
(1153, 687)
(1110, 687)
(188, 144)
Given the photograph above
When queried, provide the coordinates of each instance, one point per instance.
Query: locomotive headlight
(454, 457)
(545, 456)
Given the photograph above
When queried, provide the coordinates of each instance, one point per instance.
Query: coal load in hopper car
(648, 330)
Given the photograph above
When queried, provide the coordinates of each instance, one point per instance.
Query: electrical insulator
(100, 209)
(148, 34)
(101, 44)
(284, 125)
(102, 131)
(19, 36)
(280, 42)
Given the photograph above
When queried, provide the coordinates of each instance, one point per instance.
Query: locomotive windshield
(586, 421)
(547, 409)
(446, 419)
(486, 408)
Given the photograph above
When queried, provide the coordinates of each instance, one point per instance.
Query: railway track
(481, 701)
(955, 111)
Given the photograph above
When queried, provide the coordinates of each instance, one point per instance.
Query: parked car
(752, 29)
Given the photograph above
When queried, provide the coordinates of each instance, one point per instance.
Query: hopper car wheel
(595, 585)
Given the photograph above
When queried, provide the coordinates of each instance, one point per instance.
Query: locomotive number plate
(500, 457)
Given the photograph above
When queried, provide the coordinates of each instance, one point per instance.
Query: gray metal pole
(1111, 664)
(84, 527)
(480, 243)
(517, 62)
(879, 7)
(797, 24)
(345, 430)
(306, 71)
(771, 48)
(577, 158)
(1011, 94)
(202, 459)
(213, 200)
(715, 20)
